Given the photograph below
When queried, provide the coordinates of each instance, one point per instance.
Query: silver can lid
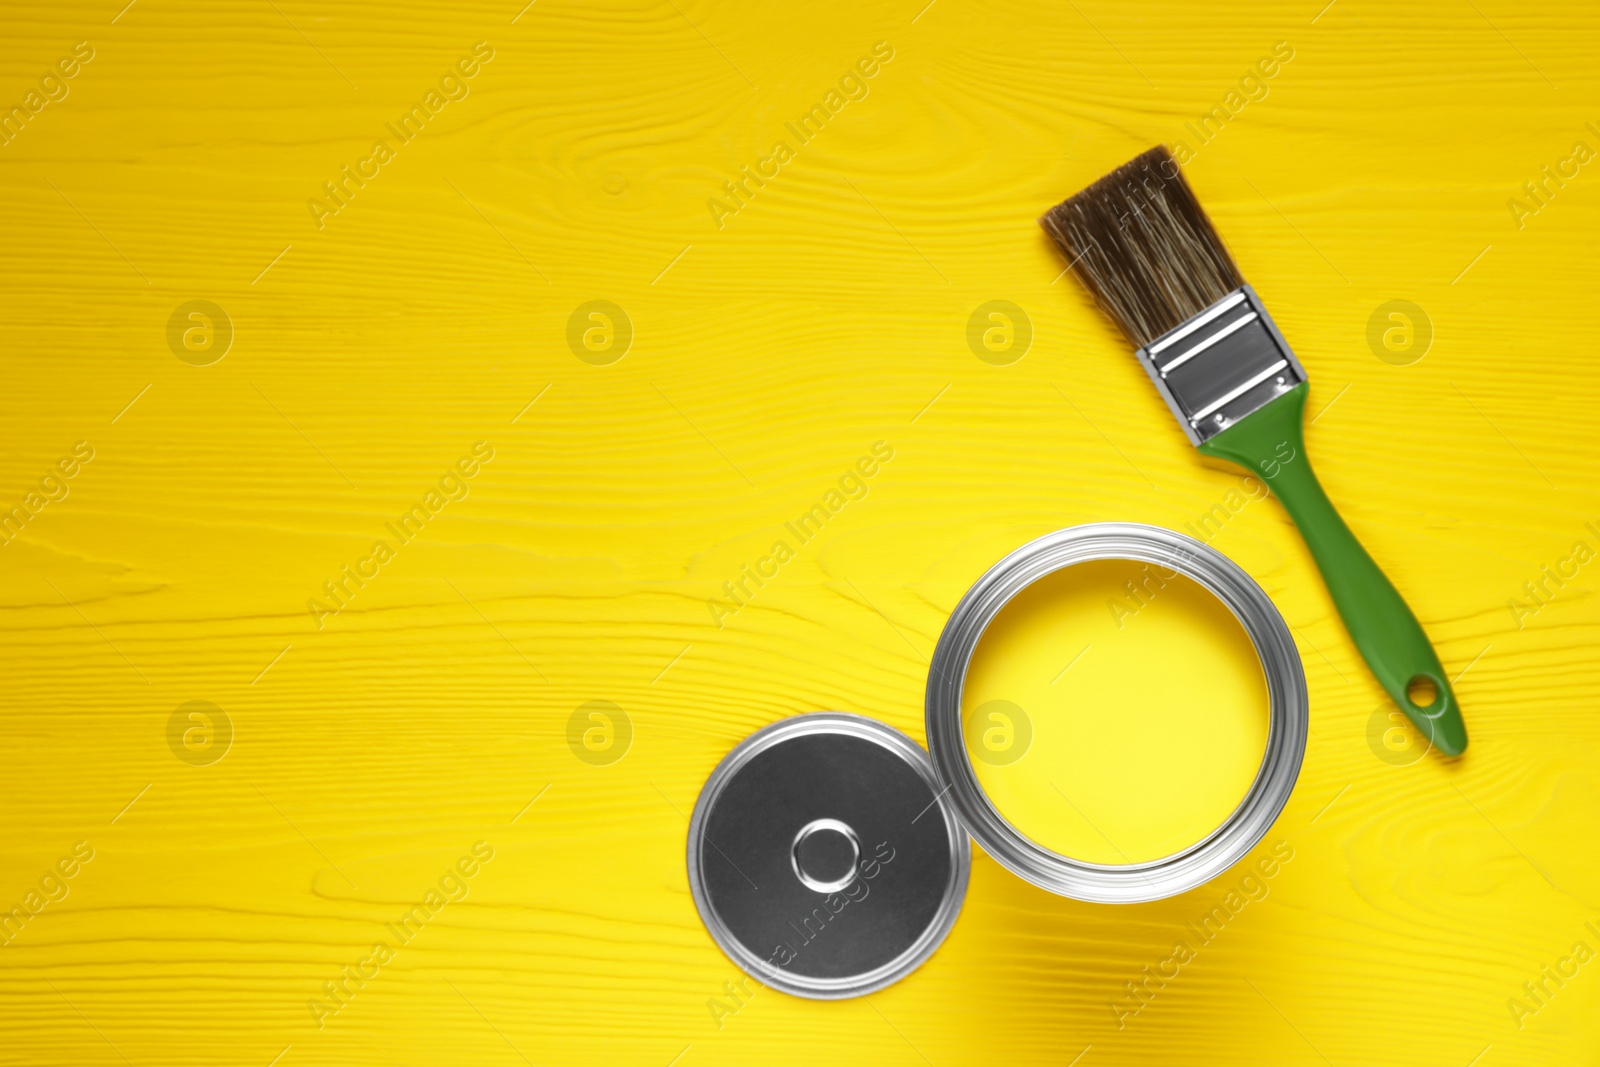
(822, 857)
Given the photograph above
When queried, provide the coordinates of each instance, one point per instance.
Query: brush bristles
(1139, 241)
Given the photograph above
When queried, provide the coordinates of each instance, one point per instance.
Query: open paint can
(828, 854)
(1184, 664)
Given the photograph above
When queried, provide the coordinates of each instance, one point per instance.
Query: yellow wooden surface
(829, 312)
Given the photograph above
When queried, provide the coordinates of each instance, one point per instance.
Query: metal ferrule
(1221, 365)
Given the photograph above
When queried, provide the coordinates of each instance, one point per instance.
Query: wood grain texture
(826, 314)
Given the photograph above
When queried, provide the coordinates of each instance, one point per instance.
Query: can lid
(823, 858)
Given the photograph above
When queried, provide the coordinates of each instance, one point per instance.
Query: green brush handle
(1269, 443)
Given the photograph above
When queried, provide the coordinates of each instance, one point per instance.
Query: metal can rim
(840, 722)
(1287, 724)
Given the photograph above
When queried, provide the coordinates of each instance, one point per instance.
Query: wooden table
(371, 316)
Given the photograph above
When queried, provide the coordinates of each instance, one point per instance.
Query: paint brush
(1140, 242)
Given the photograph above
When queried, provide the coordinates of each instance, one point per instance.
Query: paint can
(1286, 726)
(822, 858)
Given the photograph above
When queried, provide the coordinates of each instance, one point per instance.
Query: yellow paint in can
(1116, 712)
